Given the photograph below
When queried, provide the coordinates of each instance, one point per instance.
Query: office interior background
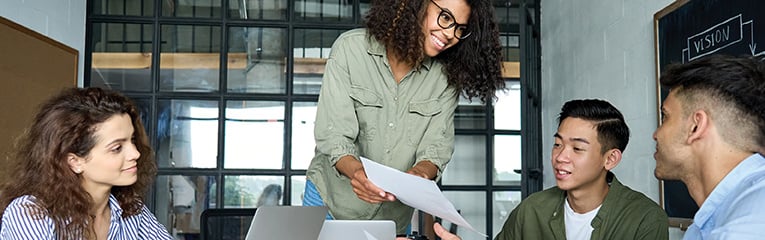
(228, 90)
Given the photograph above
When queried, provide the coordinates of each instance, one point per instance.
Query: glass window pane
(181, 201)
(467, 166)
(252, 191)
(472, 207)
(303, 144)
(504, 203)
(254, 135)
(187, 131)
(511, 47)
(324, 10)
(507, 107)
(192, 8)
(144, 106)
(507, 157)
(190, 58)
(257, 59)
(123, 7)
(257, 9)
(298, 187)
(121, 57)
(312, 47)
(470, 115)
(364, 6)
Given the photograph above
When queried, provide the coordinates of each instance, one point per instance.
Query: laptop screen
(287, 222)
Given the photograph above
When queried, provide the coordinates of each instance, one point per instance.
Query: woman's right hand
(366, 190)
(352, 168)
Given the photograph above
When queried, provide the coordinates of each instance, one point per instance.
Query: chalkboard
(689, 30)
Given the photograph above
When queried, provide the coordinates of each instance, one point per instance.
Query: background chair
(226, 223)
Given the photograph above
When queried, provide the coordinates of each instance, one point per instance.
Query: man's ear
(699, 124)
(612, 158)
(75, 162)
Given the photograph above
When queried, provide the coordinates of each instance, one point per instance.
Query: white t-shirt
(578, 224)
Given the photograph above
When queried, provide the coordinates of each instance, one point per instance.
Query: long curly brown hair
(66, 124)
(473, 66)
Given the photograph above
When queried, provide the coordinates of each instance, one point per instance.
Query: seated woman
(81, 171)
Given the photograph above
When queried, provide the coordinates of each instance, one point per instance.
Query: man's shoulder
(633, 204)
(548, 197)
(749, 191)
(628, 195)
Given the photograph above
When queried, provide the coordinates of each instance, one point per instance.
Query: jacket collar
(615, 190)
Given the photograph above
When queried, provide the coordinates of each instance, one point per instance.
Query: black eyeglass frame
(454, 24)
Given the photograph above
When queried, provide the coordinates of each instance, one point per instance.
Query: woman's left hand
(424, 169)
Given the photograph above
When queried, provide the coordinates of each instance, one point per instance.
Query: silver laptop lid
(358, 230)
(287, 222)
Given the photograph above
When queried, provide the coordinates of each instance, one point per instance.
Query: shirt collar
(615, 190)
(114, 205)
(378, 49)
(725, 186)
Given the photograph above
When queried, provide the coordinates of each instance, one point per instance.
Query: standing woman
(81, 172)
(389, 94)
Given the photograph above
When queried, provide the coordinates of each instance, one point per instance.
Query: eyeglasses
(446, 21)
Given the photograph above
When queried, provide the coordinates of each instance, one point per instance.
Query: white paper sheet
(414, 191)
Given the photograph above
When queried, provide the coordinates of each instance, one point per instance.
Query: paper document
(414, 191)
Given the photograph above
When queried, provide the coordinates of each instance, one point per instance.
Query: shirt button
(390, 124)
(395, 99)
(387, 150)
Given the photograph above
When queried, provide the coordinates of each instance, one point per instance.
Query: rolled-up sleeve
(336, 124)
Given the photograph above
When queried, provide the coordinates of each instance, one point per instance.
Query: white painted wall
(604, 49)
(61, 20)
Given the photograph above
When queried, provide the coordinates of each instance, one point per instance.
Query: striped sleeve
(19, 223)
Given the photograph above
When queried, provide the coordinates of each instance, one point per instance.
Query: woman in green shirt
(389, 94)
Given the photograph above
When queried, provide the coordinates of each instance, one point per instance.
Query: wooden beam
(107, 60)
(511, 69)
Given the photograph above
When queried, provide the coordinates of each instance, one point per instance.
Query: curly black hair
(473, 66)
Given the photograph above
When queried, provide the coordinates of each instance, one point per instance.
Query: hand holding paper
(414, 191)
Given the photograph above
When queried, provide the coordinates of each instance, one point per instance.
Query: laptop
(287, 222)
(358, 230)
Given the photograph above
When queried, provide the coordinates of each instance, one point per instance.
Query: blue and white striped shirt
(19, 223)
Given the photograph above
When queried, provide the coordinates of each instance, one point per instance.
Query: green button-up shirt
(362, 111)
(624, 215)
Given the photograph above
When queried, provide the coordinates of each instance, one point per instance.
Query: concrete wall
(61, 20)
(604, 49)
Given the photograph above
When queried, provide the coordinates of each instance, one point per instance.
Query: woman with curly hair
(81, 172)
(389, 94)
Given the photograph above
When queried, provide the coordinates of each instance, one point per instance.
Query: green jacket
(625, 214)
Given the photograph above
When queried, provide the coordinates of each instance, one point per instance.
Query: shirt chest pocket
(368, 106)
(419, 118)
